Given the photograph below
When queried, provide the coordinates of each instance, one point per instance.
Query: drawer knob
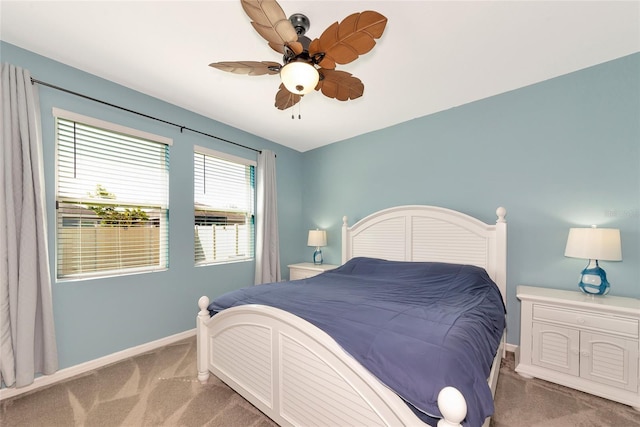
(580, 320)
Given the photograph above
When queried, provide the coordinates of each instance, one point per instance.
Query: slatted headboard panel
(430, 233)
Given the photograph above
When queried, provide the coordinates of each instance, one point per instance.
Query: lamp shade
(594, 243)
(317, 238)
(299, 77)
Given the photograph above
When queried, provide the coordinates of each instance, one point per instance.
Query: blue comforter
(417, 326)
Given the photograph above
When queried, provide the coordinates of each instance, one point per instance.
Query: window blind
(112, 199)
(224, 203)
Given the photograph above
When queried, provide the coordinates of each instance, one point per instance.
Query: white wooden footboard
(298, 375)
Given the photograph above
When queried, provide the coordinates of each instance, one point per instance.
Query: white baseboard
(91, 365)
(511, 347)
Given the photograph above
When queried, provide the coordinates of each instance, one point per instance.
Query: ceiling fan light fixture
(299, 77)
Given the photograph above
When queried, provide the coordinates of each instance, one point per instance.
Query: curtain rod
(182, 128)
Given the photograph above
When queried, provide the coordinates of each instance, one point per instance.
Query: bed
(297, 374)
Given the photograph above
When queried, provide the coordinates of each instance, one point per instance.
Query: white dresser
(585, 342)
(304, 270)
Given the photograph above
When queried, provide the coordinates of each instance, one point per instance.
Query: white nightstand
(304, 270)
(589, 343)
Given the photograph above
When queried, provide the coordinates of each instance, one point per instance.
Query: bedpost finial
(344, 221)
(501, 212)
(452, 406)
(203, 303)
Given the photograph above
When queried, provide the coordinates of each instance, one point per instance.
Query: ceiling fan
(307, 64)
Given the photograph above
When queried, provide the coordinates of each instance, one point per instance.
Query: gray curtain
(27, 335)
(267, 240)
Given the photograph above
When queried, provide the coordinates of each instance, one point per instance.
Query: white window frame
(240, 161)
(164, 233)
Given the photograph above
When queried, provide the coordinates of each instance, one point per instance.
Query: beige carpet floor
(160, 389)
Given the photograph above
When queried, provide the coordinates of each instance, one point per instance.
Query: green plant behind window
(111, 214)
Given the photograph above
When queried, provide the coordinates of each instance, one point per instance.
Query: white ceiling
(433, 55)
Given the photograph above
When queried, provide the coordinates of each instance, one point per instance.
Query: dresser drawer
(304, 270)
(586, 320)
(297, 274)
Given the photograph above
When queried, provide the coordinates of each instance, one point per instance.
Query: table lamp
(317, 238)
(594, 244)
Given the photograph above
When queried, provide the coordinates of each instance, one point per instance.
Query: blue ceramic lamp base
(317, 256)
(593, 280)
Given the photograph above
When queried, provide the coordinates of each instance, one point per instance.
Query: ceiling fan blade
(296, 47)
(344, 42)
(286, 99)
(251, 68)
(271, 23)
(340, 85)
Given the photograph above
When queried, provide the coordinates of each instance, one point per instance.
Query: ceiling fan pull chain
(293, 110)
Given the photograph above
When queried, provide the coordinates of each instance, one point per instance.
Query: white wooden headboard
(430, 233)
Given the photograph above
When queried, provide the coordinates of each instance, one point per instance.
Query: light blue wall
(98, 317)
(558, 154)
(561, 153)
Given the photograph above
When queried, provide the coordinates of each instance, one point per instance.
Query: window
(224, 203)
(112, 198)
